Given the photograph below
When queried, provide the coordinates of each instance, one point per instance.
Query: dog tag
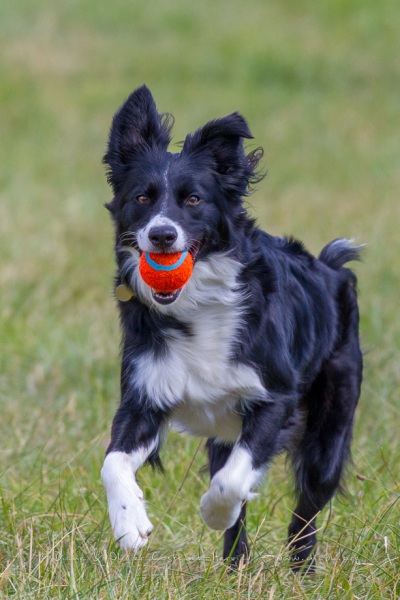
(124, 293)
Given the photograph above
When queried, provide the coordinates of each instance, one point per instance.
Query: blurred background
(319, 85)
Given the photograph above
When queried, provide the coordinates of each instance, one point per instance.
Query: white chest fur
(195, 376)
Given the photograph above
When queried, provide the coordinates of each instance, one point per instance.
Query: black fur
(300, 330)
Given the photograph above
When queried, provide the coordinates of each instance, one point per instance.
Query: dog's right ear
(136, 127)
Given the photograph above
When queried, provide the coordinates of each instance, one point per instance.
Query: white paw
(129, 521)
(220, 506)
(218, 509)
(126, 506)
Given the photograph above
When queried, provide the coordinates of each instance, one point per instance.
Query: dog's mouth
(166, 298)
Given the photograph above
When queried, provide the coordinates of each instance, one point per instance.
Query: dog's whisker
(127, 237)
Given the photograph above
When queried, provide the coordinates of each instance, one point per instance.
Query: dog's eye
(192, 200)
(143, 199)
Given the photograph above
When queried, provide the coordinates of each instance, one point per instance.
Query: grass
(318, 83)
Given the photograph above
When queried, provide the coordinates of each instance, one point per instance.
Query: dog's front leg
(233, 484)
(135, 437)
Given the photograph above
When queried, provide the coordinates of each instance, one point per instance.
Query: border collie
(259, 352)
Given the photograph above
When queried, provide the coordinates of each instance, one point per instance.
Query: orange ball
(166, 272)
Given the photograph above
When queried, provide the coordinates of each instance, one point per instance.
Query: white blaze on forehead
(160, 220)
(166, 181)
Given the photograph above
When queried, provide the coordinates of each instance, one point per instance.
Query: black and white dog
(259, 352)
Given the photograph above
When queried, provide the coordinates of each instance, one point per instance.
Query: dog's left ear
(136, 128)
(222, 140)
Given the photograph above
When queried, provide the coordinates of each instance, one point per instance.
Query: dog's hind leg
(321, 455)
(318, 466)
(235, 539)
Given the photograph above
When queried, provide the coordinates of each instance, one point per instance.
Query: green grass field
(319, 84)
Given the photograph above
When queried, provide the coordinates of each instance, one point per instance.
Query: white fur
(196, 375)
(126, 505)
(159, 220)
(230, 487)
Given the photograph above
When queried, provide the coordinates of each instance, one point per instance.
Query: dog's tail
(339, 252)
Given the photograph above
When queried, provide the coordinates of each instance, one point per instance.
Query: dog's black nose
(163, 236)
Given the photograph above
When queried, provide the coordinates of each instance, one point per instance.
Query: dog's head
(165, 202)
